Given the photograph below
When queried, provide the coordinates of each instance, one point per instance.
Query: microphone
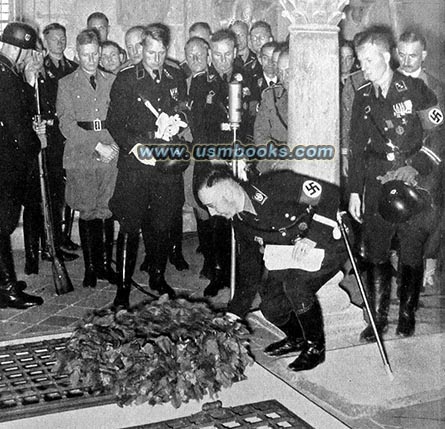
(235, 102)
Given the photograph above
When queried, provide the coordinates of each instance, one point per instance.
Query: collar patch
(259, 196)
(400, 86)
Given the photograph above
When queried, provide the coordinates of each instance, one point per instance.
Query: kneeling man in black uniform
(288, 247)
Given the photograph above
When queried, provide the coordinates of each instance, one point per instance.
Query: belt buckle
(97, 125)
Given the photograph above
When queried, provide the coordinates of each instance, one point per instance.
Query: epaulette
(167, 74)
(199, 74)
(173, 64)
(127, 68)
(367, 86)
(105, 73)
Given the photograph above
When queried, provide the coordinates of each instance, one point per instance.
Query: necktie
(225, 77)
(93, 81)
(157, 76)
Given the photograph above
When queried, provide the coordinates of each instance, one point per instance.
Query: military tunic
(386, 133)
(144, 190)
(19, 144)
(216, 111)
(271, 122)
(90, 182)
(288, 206)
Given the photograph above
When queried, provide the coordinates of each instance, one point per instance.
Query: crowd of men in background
(100, 107)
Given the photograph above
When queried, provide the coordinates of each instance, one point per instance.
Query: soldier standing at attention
(412, 52)
(222, 71)
(151, 191)
(56, 67)
(19, 144)
(90, 156)
(271, 120)
(386, 144)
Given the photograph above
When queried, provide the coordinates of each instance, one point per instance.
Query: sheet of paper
(278, 257)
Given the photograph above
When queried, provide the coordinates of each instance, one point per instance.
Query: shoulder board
(365, 88)
(172, 63)
(131, 66)
(167, 74)
(199, 74)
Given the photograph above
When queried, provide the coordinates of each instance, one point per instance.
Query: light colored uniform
(90, 182)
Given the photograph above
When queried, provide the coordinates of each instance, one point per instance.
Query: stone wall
(178, 14)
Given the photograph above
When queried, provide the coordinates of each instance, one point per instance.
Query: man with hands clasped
(90, 156)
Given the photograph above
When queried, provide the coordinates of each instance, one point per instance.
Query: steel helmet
(399, 201)
(19, 34)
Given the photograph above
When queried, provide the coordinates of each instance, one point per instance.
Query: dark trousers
(151, 198)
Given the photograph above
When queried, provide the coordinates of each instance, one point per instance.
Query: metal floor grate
(28, 388)
(260, 415)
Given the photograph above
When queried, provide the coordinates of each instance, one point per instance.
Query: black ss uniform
(386, 133)
(32, 216)
(216, 111)
(144, 191)
(19, 143)
(251, 67)
(288, 206)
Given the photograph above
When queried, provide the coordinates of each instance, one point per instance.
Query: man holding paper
(289, 246)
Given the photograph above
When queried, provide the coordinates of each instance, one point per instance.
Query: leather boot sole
(285, 347)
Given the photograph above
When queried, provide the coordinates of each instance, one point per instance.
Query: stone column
(313, 115)
(313, 120)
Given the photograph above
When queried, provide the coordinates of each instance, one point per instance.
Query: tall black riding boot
(293, 342)
(66, 243)
(11, 291)
(105, 244)
(378, 291)
(221, 237)
(205, 245)
(31, 237)
(126, 256)
(86, 232)
(176, 257)
(147, 234)
(313, 351)
(411, 280)
(160, 251)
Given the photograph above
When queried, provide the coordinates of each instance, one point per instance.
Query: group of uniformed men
(97, 117)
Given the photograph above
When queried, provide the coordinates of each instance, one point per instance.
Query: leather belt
(392, 156)
(96, 125)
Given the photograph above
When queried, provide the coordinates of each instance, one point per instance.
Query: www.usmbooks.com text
(269, 151)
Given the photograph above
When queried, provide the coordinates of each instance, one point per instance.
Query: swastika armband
(431, 118)
(311, 192)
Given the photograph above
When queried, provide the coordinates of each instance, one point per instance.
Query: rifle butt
(62, 281)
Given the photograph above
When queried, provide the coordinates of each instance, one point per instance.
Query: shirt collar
(385, 84)
(413, 74)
